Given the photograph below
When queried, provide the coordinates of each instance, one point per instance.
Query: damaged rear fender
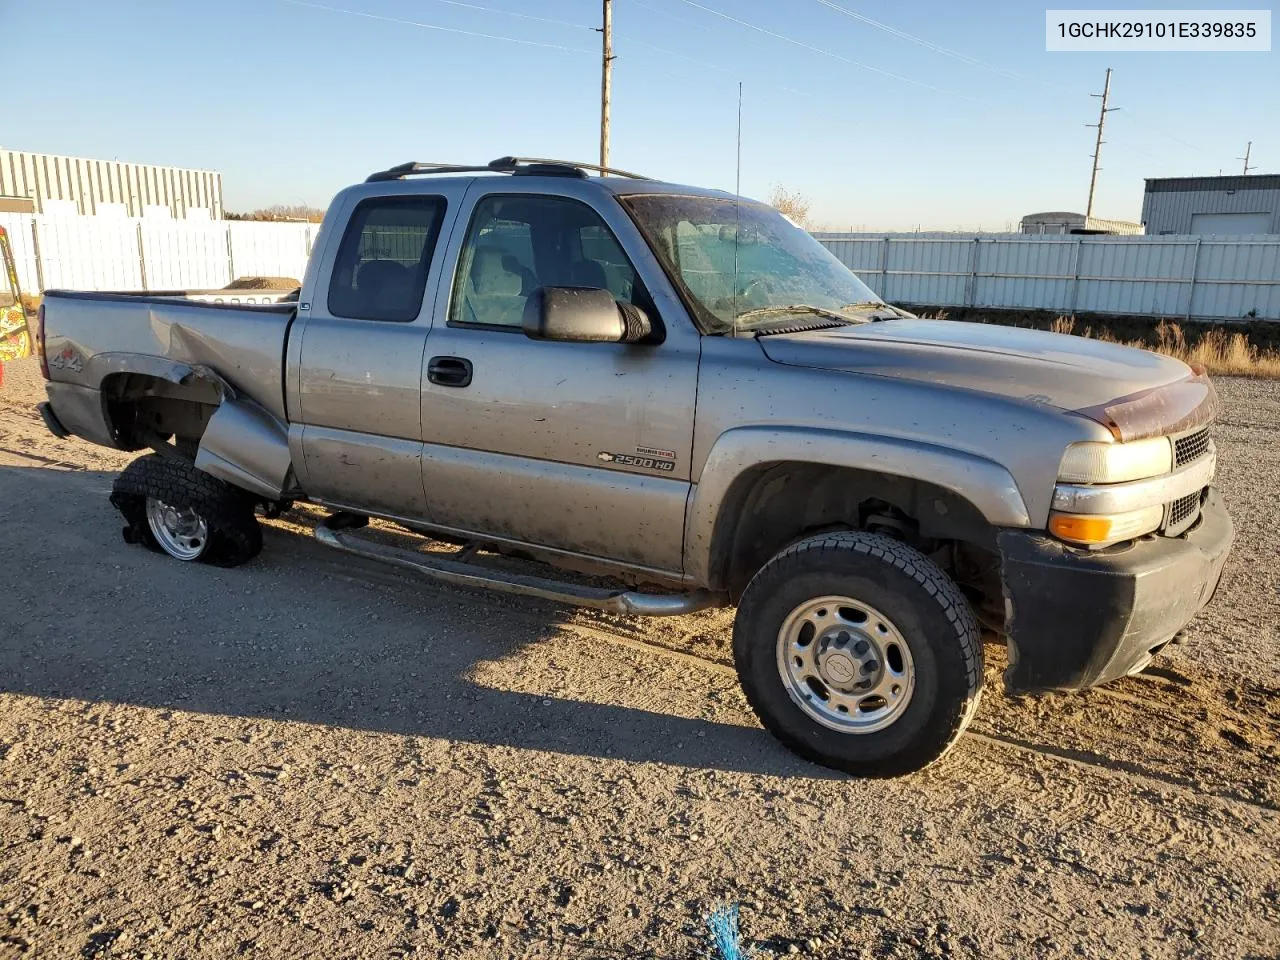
(244, 443)
(247, 447)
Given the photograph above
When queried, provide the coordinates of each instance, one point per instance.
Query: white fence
(131, 253)
(1211, 278)
(1192, 277)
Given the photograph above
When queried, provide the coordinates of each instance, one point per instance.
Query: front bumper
(1081, 618)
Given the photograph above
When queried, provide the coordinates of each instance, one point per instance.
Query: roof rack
(517, 166)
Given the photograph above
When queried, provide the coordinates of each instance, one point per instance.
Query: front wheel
(170, 506)
(859, 653)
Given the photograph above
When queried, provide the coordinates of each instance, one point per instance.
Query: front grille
(1183, 512)
(1191, 447)
(1180, 511)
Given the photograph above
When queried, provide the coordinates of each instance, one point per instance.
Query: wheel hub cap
(181, 532)
(845, 664)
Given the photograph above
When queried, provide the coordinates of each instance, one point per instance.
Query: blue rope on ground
(725, 937)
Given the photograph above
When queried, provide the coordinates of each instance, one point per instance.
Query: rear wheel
(180, 532)
(172, 507)
(859, 653)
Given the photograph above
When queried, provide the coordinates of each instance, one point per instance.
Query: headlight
(1116, 462)
(1104, 529)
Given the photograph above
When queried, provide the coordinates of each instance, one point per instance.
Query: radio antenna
(737, 212)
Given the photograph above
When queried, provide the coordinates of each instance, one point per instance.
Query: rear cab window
(380, 272)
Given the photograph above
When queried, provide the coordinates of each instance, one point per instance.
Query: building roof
(1054, 216)
(1257, 181)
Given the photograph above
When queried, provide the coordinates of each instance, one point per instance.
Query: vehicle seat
(589, 273)
(495, 296)
(527, 282)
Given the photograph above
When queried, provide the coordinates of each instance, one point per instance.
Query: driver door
(582, 448)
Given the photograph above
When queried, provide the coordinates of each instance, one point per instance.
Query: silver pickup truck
(677, 389)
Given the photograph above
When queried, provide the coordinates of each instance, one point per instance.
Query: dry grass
(1218, 350)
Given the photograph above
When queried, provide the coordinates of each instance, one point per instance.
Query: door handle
(449, 371)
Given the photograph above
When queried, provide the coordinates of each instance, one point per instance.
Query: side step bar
(471, 575)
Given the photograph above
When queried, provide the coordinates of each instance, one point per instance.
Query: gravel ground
(314, 756)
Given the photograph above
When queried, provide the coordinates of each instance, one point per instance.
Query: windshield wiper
(795, 308)
(876, 310)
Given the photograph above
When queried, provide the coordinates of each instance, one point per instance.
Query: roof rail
(519, 166)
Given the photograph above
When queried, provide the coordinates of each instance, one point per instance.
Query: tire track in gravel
(1005, 735)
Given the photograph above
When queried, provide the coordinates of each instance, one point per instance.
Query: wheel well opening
(776, 504)
(142, 409)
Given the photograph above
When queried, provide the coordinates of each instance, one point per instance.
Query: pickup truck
(681, 392)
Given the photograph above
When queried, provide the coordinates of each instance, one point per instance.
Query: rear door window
(381, 269)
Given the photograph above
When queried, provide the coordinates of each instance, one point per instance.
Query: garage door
(1206, 223)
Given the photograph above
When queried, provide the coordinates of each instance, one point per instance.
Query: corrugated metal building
(1063, 222)
(104, 187)
(1213, 205)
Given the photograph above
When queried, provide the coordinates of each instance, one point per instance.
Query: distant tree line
(281, 213)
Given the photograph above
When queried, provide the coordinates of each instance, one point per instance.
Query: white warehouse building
(1213, 205)
(47, 183)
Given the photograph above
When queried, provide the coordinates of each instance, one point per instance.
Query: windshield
(743, 260)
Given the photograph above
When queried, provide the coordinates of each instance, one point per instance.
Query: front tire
(859, 653)
(171, 507)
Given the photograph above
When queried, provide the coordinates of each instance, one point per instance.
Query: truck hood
(1047, 369)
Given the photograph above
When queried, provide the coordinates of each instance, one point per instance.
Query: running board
(471, 575)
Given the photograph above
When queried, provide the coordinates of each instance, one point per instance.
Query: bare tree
(791, 204)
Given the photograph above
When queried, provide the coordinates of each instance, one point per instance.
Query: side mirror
(583, 315)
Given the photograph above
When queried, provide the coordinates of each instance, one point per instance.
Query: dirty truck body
(679, 389)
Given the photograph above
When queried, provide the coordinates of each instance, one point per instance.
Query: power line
(921, 41)
(513, 13)
(708, 65)
(434, 26)
(818, 50)
(974, 61)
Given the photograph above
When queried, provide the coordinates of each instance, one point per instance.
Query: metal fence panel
(182, 255)
(89, 253)
(1215, 278)
(1186, 276)
(270, 249)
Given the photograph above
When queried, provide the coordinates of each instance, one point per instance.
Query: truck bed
(89, 337)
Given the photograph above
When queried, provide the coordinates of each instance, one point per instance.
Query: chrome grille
(1191, 447)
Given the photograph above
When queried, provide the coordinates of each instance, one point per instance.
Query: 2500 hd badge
(645, 463)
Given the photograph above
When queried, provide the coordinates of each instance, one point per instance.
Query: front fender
(984, 483)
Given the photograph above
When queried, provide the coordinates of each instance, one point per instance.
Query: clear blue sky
(291, 102)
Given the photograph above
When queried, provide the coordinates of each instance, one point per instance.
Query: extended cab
(679, 388)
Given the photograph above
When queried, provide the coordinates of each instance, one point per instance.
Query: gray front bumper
(1082, 618)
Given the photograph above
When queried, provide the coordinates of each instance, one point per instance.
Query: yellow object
(1101, 530)
(15, 334)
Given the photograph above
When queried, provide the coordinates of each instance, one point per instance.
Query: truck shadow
(305, 634)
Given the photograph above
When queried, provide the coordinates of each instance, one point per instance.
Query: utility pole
(1248, 148)
(606, 81)
(1097, 149)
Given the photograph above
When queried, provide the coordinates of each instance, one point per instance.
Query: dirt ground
(314, 756)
